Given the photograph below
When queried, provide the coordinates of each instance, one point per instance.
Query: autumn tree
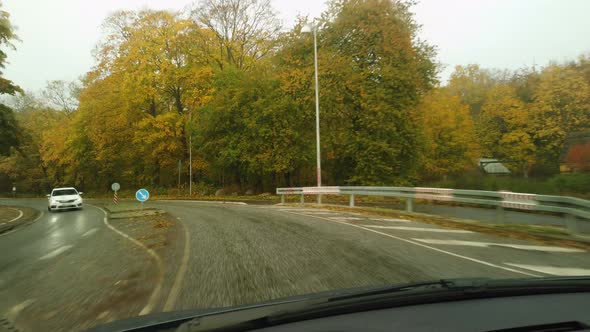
(561, 106)
(504, 131)
(62, 95)
(449, 140)
(471, 83)
(245, 30)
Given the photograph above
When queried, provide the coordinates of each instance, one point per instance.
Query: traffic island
(155, 231)
(12, 217)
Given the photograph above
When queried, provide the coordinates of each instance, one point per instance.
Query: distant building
(493, 166)
(575, 156)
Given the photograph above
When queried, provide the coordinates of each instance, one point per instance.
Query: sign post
(115, 187)
(142, 195)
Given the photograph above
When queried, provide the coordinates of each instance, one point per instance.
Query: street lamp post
(313, 28)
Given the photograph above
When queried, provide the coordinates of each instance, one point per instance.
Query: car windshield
(64, 192)
(232, 152)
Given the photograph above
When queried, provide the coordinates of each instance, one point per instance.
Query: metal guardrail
(575, 210)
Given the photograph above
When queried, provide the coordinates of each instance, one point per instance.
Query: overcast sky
(58, 35)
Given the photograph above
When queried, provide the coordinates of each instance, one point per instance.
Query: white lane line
(301, 210)
(14, 230)
(345, 218)
(420, 229)
(475, 260)
(57, 251)
(16, 310)
(90, 232)
(389, 219)
(156, 291)
(190, 201)
(175, 290)
(20, 214)
(558, 271)
(321, 213)
(492, 244)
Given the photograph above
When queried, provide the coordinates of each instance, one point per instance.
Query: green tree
(8, 128)
(373, 70)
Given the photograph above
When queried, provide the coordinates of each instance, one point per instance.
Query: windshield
(64, 192)
(232, 152)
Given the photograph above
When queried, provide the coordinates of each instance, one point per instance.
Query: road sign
(142, 195)
(115, 186)
(13, 188)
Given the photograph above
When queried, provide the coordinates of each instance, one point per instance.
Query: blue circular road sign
(142, 195)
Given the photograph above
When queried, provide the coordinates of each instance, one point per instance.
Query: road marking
(429, 247)
(90, 232)
(558, 271)
(421, 229)
(491, 244)
(345, 218)
(190, 201)
(321, 213)
(57, 251)
(388, 219)
(175, 290)
(16, 310)
(20, 214)
(39, 216)
(156, 291)
(301, 210)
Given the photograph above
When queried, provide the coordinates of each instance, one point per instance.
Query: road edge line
(197, 201)
(175, 290)
(475, 260)
(21, 214)
(156, 292)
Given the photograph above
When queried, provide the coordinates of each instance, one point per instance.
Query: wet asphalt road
(246, 254)
(232, 254)
(67, 271)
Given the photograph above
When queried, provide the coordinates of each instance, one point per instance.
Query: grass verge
(547, 235)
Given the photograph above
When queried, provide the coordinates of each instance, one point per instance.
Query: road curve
(246, 254)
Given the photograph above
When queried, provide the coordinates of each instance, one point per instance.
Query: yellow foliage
(450, 145)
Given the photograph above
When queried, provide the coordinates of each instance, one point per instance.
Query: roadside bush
(571, 183)
(576, 184)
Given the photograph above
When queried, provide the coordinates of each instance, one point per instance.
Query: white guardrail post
(576, 211)
(409, 204)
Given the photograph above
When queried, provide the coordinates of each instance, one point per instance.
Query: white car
(64, 198)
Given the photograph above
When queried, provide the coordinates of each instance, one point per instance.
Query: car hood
(65, 197)
(337, 302)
